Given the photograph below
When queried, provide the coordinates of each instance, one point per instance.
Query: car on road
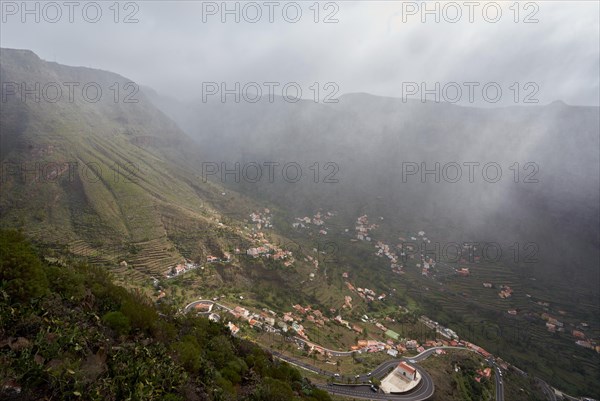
(412, 361)
(374, 388)
(336, 375)
(369, 374)
(357, 376)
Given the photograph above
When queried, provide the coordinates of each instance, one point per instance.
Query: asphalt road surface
(423, 391)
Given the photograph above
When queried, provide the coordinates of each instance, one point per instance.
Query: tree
(117, 322)
(274, 390)
(21, 272)
(188, 353)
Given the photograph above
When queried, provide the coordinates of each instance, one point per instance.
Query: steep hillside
(115, 180)
(100, 177)
(546, 193)
(69, 333)
(543, 218)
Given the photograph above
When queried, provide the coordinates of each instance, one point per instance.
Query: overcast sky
(375, 47)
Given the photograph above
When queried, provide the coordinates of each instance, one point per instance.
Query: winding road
(422, 392)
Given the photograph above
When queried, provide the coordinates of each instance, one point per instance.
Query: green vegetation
(147, 206)
(455, 376)
(21, 271)
(71, 333)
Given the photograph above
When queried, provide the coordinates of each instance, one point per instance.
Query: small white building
(406, 371)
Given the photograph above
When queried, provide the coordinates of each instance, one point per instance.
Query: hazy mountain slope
(106, 173)
(372, 138)
(149, 203)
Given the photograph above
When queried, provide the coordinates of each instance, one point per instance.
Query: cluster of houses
(405, 247)
(554, 325)
(294, 324)
(312, 315)
(444, 331)
(588, 344)
(233, 328)
(268, 321)
(384, 250)
(339, 320)
(317, 220)
(409, 248)
(366, 294)
(363, 228)
(262, 219)
(483, 374)
(369, 346)
(214, 259)
(160, 292)
(427, 265)
(265, 320)
(347, 302)
(420, 235)
(269, 251)
(181, 268)
(395, 346)
(314, 261)
(505, 292)
(477, 349)
(392, 345)
(188, 265)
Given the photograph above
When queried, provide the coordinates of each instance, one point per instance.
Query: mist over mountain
(102, 166)
(300, 201)
(98, 169)
(547, 193)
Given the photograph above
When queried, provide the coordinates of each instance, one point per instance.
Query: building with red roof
(407, 371)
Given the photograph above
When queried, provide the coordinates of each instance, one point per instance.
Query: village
(306, 325)
(407, 249)
(301, 324)
(468, 254)
(318, 220)
(290, 326)
(263, 248)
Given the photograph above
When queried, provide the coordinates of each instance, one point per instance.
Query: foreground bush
(70, 333)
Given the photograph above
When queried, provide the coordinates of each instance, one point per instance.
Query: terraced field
(479, 315)
(154, 257)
